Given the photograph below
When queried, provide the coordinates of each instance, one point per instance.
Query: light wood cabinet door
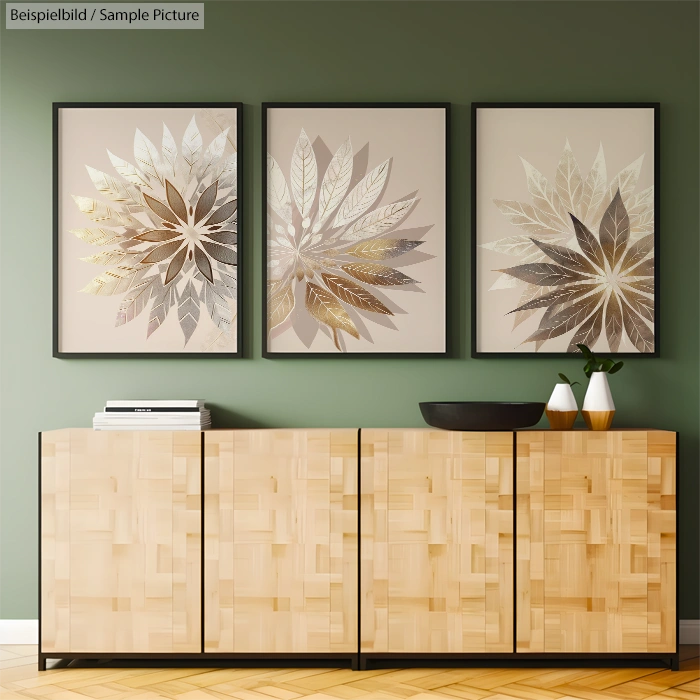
(281, 541)
(596, 541)
(436, 541)
(120, 541)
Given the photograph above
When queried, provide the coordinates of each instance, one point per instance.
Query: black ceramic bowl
(481, 415)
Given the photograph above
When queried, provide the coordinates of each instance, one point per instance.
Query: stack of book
(153, 415)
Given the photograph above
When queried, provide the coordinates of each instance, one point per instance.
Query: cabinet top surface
(390, 430)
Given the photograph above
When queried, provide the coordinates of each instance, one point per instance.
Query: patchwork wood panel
(596, 541)
(436, 541)
(281, 541)
(121, 541)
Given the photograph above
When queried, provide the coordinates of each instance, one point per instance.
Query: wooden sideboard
(243, 544)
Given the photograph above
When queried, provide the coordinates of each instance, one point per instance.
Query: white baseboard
(27, 632)
(19, 631)
(689, 632)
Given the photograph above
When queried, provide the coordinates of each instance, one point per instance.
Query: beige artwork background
(86, 322)
(415, 139)
(539, 135)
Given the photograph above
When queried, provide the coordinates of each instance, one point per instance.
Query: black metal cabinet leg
(355, 663)
(42, 662)
(676, 662)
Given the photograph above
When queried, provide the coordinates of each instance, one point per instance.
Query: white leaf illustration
(363, 195)
(568, 181)
(136, 300)
(104, 214)
(220, 120)
(513, 245)
(114, 189)
(128, 171)
(229, 173)
(542, 193)
(147, 156)
(641, 202)
(379, 221)
(529, 218)
(191, 146)
(218, 308)
(227, 285)
(277, 191)
(212, 155)
(625, 181)
(303, 174)
(163, 300)
(188, 310)
(505, 281)
(594, 189)
(335, 183)
(169, 151)
(641, 224)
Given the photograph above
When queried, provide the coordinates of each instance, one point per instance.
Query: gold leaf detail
(380, 275)
(383, 248)
(353, 294)
(96, 236)
(279, 305)
(324, 307)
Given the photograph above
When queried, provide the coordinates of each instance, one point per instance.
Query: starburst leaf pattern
(327, 240)
(596, 243)
(172, 253)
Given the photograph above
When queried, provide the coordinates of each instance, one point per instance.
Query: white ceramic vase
(598, 405)
(562, 408)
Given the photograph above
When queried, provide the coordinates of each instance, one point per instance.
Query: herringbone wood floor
(19, 680)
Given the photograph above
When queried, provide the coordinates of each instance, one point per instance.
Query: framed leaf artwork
(355, 213)
(565, 234)
(146, 217)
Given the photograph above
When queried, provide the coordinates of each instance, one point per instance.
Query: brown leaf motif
(590, 282)
(379, 275)
(354, 294)
(167, 257)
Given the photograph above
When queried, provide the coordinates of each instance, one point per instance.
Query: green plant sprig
(598, 364)
(565, 379)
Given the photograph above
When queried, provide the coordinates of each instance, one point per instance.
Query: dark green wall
(376, 51)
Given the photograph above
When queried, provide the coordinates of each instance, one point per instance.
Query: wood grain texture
(20, 680)
(596, 541)
(436, 541)
(120, 530)
(281, 541)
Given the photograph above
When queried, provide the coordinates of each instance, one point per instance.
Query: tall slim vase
(598, 406)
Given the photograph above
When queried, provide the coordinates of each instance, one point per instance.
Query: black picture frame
(446, 106)
(475, 107)
(56, 109)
